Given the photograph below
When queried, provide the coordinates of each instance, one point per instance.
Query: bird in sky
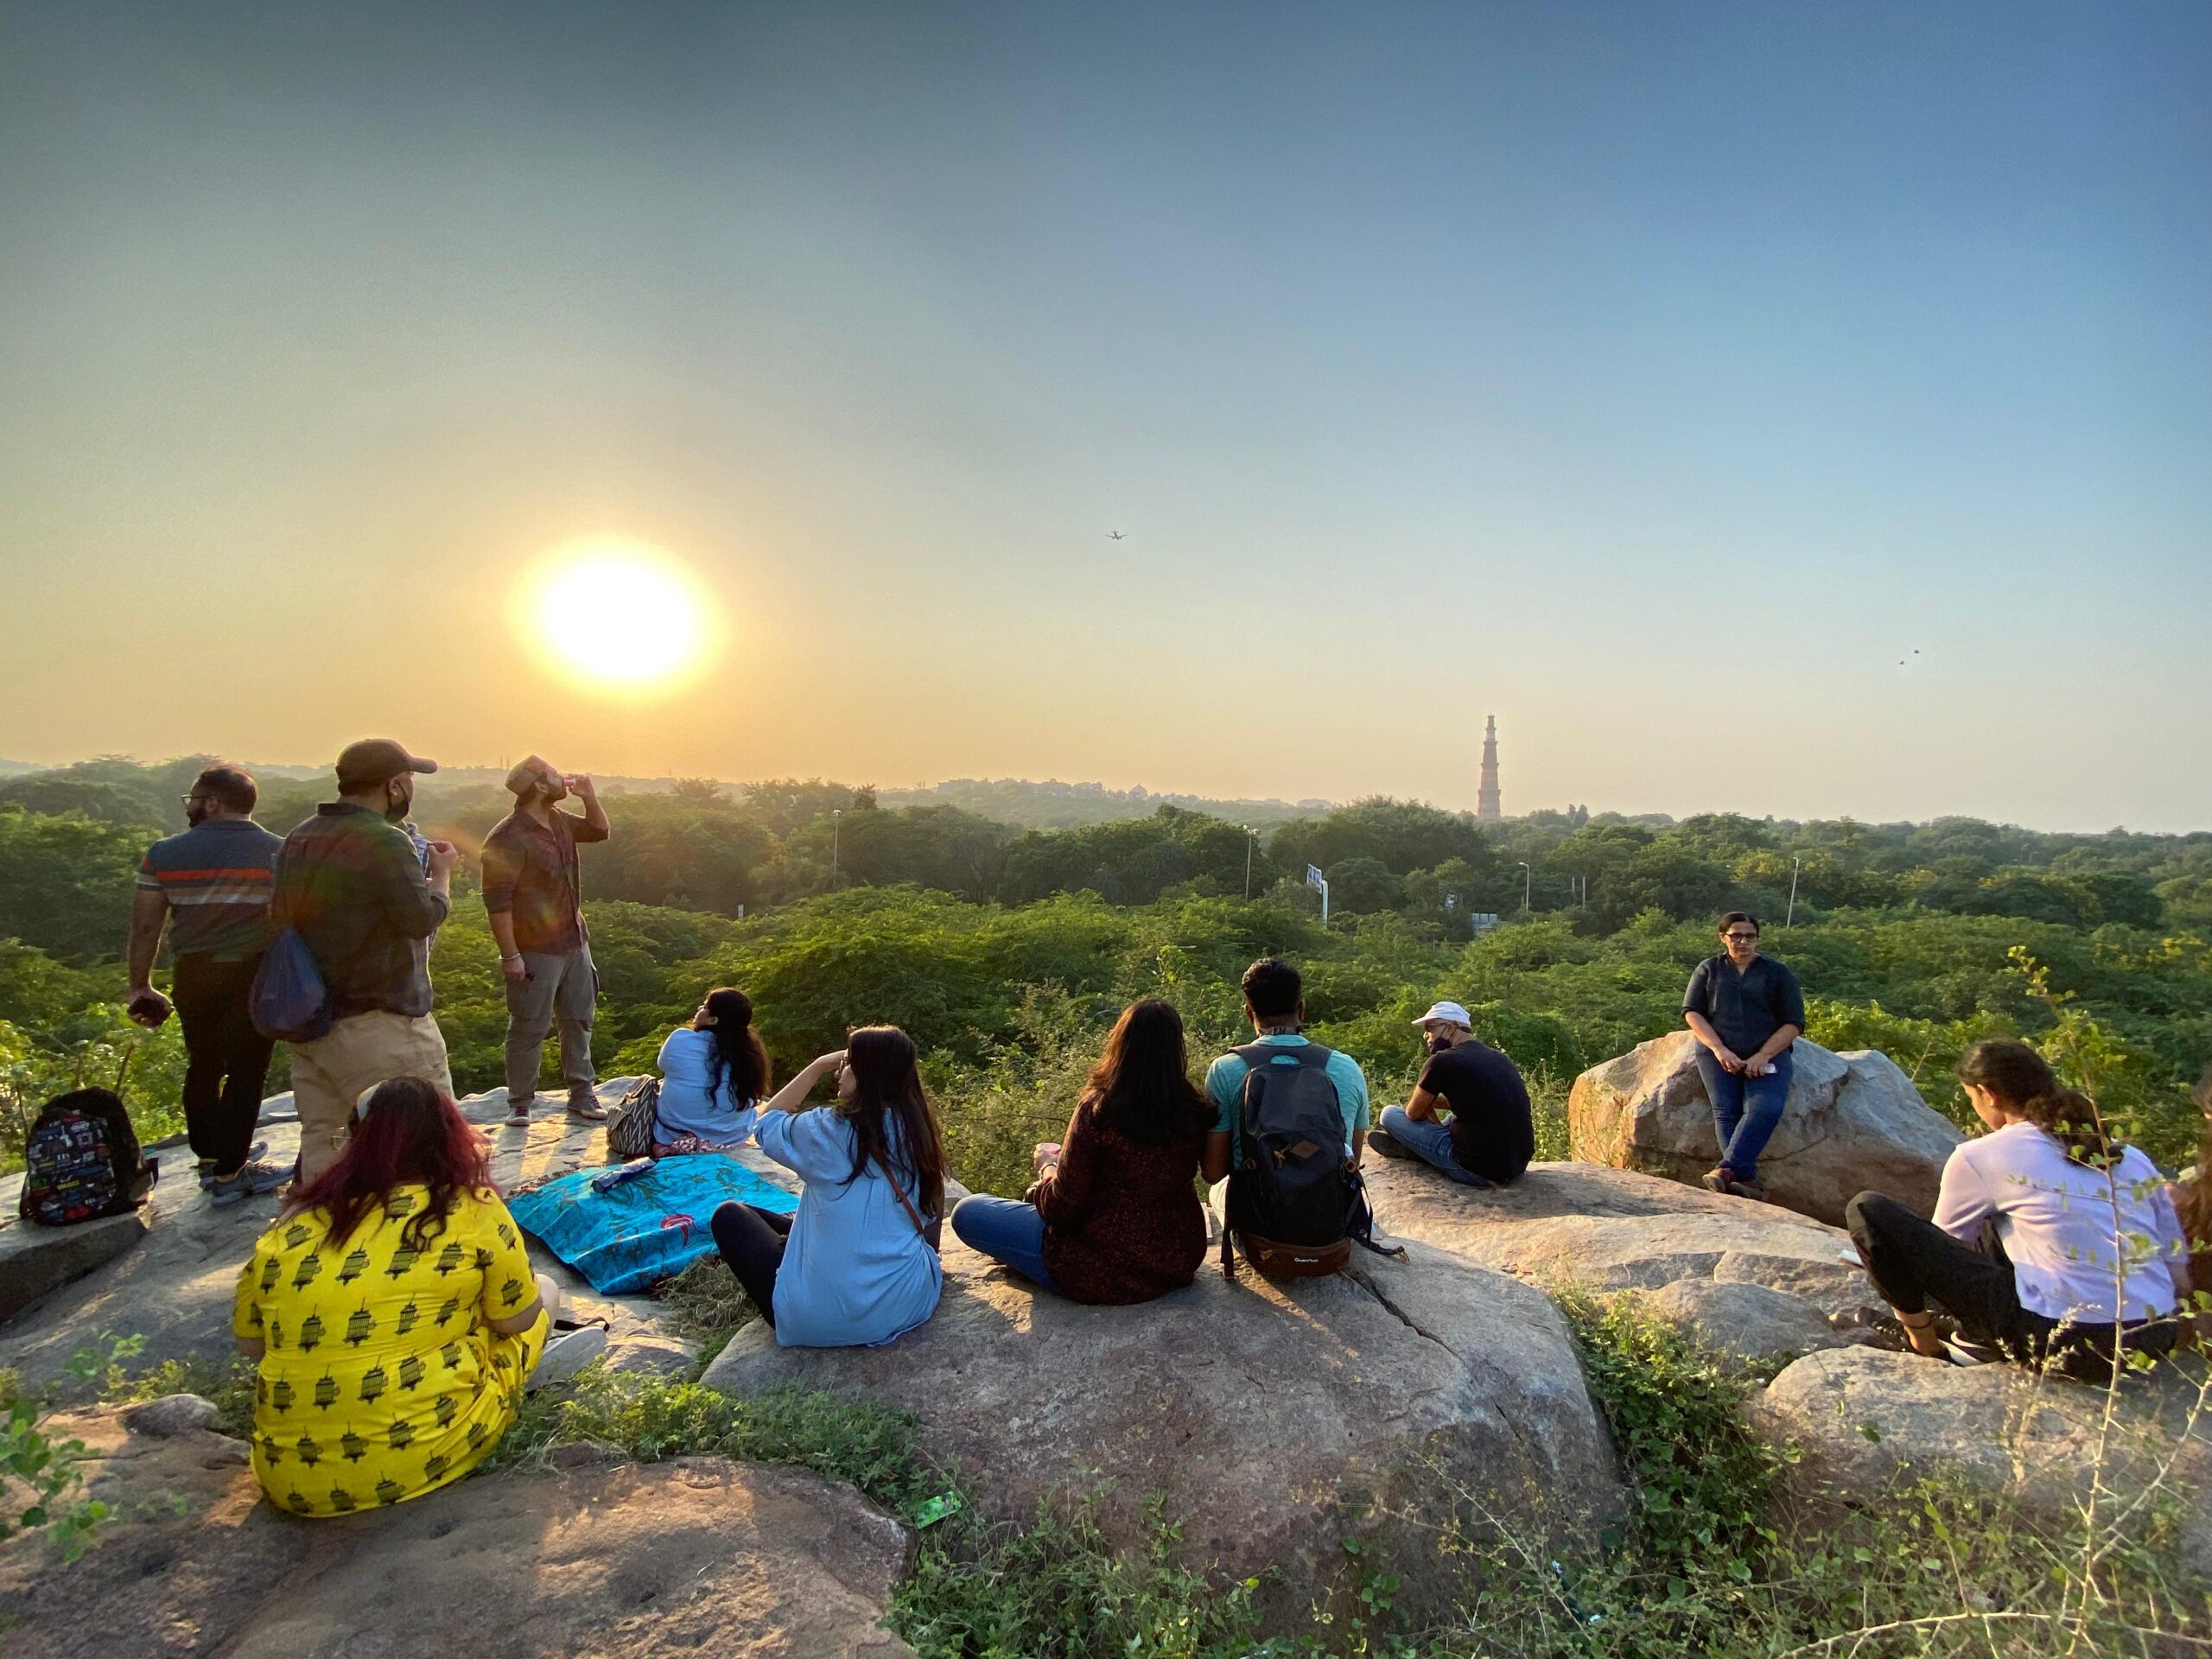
(1114, 535)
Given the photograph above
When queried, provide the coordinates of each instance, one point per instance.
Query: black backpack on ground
(81, 1160)
(1295, 1207)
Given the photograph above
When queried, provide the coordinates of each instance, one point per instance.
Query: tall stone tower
(1487, 809)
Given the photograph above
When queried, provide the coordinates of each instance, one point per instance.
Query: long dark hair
(2196, 1204)
(739, 1070)
(890, 1088)
(1141, 1085)
(409, 1130)
(2023, 1081)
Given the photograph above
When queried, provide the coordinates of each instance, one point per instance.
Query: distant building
(1487, 807)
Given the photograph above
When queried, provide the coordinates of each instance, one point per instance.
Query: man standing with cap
(350, 882)
(534, 894)
(1491, 1136)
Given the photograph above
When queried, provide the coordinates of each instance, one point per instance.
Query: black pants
(751, 1241)
(226, 1060)
(1913, 1261)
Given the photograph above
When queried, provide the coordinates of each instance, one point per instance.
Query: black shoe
(1390, 1147)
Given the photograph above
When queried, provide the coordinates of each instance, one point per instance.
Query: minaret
(1486, 804)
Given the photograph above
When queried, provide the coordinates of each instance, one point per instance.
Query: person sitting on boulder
(1745, 1010)
(392, 1315)
(713, 1074)
(1114, 1215)
(2192, 1196)
(2057, 1192)
(857, 1265)
(1491, 1136)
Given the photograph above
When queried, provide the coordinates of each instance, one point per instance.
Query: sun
(621, 614)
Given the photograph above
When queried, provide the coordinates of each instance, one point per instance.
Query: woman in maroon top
(1114, 1216)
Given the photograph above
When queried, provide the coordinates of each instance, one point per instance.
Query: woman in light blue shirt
(713, 1073)
(857, 1265)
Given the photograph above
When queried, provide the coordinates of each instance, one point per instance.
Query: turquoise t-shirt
(855, 1273)
(1226, 1089)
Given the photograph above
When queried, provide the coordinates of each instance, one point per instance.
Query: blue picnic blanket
(648, 1229)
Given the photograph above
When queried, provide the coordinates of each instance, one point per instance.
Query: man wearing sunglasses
(1745, 1010)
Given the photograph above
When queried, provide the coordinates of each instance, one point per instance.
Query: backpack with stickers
(81, 1160)
(1295, 1205)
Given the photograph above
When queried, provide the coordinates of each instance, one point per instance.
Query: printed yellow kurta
(380, 1377)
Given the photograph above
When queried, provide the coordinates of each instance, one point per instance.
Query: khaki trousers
(331, 1074)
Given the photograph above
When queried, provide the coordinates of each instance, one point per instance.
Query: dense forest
(1005, 950)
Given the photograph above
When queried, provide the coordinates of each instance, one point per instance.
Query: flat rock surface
(700, 1555)
(1264, 1414)
(1863, 1418)
(35, 1261)
(1618, 1230)
(1853, 1121)
(175, 1289)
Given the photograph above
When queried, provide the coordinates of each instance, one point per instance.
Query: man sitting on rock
(1745, 1010)
(1490, 1137)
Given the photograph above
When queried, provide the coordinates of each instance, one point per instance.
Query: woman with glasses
(857, 1266)
(1745, 1010)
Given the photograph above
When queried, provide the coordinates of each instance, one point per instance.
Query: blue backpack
(288, 1003)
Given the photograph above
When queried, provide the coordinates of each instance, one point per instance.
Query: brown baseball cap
(376, 760)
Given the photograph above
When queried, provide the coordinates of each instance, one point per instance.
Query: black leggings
(751, 1241)
(1913, 1261)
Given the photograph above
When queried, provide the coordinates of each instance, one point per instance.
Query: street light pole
(1787, 919)
(1528, 886)
(837, 830)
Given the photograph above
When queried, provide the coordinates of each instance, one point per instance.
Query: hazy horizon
(1786, 410)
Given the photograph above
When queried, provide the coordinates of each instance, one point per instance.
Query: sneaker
(252, 1179)
(1389, 1146)
(206, 1166)
(565, 1356)
(517, 1115)
(585, 1104)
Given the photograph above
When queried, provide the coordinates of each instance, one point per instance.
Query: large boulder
(699, 1555)
(1270, 1418)
(1616, 1230)
(1853, 1123)
(1863, 1419)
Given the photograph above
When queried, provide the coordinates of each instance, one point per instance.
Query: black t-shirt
(1492, 1133)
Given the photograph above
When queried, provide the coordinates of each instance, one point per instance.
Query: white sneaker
(566, 1354)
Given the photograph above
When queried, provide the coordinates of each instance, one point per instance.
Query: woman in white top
(2050, 1240)
(713, 1075)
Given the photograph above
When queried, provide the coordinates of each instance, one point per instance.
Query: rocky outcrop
(1269, 1417)
(1616, 1230)
(1853, 1123)
(700, 1555)
(175, 1289)
(1862, 1420)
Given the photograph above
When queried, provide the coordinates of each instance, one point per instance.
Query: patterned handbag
(630, 1130)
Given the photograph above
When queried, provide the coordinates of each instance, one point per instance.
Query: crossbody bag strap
(930, 1235)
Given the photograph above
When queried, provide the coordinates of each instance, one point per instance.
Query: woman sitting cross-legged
(857, 1265)
(393, 1315)
(2087, 1256)
(1114, 1216)
(714, 1072)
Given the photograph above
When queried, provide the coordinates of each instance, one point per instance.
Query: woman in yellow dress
(394, 1315)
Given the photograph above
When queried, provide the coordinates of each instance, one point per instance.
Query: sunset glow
(619, 615)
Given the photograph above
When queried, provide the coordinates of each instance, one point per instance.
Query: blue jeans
(1745, 1109)
(1431, 1142)
(1007, 1230)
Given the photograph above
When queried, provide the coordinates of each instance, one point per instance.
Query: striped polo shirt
(216, 877)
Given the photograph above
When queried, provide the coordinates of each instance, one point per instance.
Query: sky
(1790, 409)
